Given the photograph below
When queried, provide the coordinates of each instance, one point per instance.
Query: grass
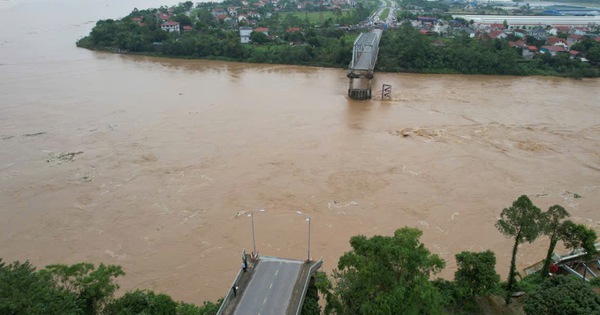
(313, 17)
(384, 14)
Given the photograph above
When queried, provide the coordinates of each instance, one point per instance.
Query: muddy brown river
(154, 164)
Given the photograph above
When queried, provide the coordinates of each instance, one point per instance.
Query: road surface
(270, 289)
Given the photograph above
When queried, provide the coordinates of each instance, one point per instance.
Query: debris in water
(6, 137)
(339, 204)
(87, 177)
(575, 195)
(63, 157)
(34, 134)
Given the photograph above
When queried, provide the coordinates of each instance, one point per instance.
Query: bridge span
(364, 58)
(270, 285)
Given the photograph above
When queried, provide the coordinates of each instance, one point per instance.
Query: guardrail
(228, 296)
(312, 269)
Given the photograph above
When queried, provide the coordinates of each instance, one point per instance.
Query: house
(519, 33)
(221, 17)
(551, 40)
(245, 32)
(469, 31)
(497, 27)
(440, 28)
(517, 44)
(427, 19)
(539, 33)
(232, 11)
(242, 18)
(497, 34)
(263, 30)
(218, 11)
(574, 39)
(253, 14)
(528, 52)
(563, 29)
(580, 31)
(574, 53)
(552, 50)
(187, 28)
(170, 26)
(293, 29)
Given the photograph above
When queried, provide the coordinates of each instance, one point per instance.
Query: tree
(563, 295)
(521, 221)
(258, 37)
(552, 227)
(476, 272)
(142, 302)
(579, 236)
(93, 287)
(183, 19)
(25, 291)
(388, 275)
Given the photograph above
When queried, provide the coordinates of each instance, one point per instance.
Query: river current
(154, 164)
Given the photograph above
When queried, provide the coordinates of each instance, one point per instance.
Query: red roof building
(262, 30)
(497, 26)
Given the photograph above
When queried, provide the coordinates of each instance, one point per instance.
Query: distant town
(320, 32)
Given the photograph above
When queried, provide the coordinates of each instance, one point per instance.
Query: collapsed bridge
(364, 58)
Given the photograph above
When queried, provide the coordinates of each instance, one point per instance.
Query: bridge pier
(360, 91)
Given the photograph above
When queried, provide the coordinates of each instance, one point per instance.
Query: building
(245, 32)
(552, 50)
(263, 30)
(170, 26)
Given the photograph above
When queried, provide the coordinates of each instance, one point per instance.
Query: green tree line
(407, 50)
(81, 289)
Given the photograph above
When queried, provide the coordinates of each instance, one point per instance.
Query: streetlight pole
(253, 239)
(307, 219)
(251, 215)
(308, 259)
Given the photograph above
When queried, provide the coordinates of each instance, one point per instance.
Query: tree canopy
(476, 272)
(388, 275)
(80, 289)
(563, 295)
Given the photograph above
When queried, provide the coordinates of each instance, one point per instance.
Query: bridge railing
(228, 296)
(312, 270)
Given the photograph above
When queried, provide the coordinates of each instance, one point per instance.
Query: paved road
(270, 289)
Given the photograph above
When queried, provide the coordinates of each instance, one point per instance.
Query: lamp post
(308, 220)
(251, 215)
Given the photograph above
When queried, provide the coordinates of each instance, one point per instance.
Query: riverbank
(416, 46)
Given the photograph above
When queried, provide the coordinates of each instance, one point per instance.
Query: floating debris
(63, 157)
(6, 137)
(34, 134)
(575, 195)
(87, 177)
(340, 204)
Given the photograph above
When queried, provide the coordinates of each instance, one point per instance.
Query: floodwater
(153, 164)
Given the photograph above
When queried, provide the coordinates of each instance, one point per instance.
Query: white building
(245, 34)
(170, 26)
